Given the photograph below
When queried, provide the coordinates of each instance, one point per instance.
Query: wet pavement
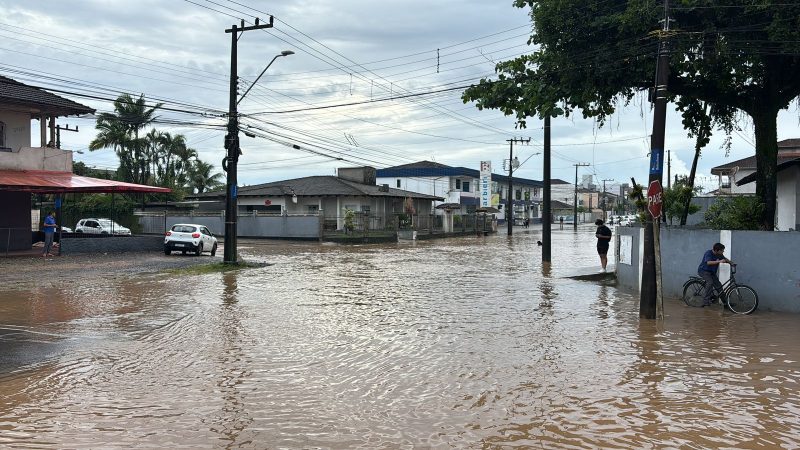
(456, 343)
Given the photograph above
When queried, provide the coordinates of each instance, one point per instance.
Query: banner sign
(486, 184)
(656, 161)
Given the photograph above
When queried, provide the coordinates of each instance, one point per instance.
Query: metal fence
(364, 225)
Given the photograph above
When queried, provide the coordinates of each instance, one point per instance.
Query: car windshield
(109, 223)
(183, 229)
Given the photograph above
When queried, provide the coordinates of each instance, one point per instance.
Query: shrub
(735, 213)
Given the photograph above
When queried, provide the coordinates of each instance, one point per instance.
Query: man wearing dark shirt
(708, 270)
(603, 235)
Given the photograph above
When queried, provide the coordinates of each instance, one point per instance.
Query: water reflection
(465, 343)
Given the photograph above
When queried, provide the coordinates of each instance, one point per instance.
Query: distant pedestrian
(49, 233)
(603, 235)
(561, 222)
(611, 220)
(526, 221)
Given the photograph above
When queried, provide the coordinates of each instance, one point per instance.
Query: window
(365, 209)
(2, 135)
(398, 182)
(458, 183)
(725, 182)
(465, 186)
(518, 194)
(535, 192)
(313, 209)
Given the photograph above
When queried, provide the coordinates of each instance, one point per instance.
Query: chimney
(363, 175)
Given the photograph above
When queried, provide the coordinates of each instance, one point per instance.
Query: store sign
(486, 184)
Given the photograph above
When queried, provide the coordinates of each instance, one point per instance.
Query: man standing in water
(49, 233)
(603, 235)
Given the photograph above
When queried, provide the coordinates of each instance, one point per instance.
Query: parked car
(192, 237)
(101, 226)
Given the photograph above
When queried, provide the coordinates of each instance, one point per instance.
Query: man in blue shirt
(49, 233)
(708, 270)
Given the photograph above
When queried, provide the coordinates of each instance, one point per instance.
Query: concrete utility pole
(649, 303)
(511, 162)
(547, 212)
(604, 197)
(229, 163)
(669, 169)
(575, 205)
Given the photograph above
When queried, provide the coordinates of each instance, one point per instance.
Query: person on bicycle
(708, 270)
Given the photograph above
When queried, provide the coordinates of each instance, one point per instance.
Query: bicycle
(739, 298)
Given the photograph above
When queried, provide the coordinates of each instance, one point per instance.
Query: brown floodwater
(457, 343)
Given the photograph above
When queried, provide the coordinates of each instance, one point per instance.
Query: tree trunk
(692, 173)
(766, 130)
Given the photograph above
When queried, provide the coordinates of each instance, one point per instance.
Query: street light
(283, 53)
(229, 163)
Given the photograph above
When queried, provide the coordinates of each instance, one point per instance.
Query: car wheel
(214, 249)
(199, 250)
(167, 251)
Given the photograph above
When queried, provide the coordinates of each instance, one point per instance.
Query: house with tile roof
(42, 169)
(787, 194)
(730, 175)
(459, 188)
(351, 189)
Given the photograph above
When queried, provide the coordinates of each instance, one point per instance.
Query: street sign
(654, 199)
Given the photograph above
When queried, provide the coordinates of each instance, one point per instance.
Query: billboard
(486, 184)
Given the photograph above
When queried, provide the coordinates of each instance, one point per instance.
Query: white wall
(788, 199)
(18, 129)
(37, 158)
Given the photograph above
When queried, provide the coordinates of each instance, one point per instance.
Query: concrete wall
(114, 244)
(767, 261)
(17, 129)
(280, 227)
(37, 158)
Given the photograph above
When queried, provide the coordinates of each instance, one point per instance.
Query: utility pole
(511, 164)
(575, 205)
(58, 129)
(604, 197)
(669, 169)
(547, 213)
(229, 163)
(650, 300)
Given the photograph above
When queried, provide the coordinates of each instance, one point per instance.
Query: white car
(101, 226)
(192, 237)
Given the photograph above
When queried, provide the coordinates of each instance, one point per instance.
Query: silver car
(190, 237)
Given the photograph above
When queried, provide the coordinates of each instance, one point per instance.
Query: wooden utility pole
(547, 211)
(650, 303)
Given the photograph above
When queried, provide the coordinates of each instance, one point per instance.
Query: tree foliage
(597, 55)
(676, 197)
(156, 158)
(734, 213)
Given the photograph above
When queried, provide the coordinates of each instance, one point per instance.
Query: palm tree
(120, 131)
(200, 178)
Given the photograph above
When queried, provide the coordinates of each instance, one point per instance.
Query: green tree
(675, 198)
(201, 179)
(726, 61)
(734, 213)
(120, 130)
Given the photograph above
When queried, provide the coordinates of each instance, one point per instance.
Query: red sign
(654, 199)
(267, 202)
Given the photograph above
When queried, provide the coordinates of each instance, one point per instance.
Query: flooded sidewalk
(455, 343)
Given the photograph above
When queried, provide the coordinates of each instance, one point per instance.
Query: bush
(735, 213)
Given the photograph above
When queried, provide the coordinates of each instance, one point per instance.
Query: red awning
(47, 182)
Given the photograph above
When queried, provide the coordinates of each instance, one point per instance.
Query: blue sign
(656, 161)
(234, 191)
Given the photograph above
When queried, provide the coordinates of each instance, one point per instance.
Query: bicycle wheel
(693, 293)
(742, 299)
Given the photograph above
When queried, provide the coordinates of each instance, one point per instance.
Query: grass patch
(202, 269)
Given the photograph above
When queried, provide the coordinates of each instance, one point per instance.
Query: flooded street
(456, 343)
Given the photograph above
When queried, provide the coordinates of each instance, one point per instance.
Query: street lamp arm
(283, 53)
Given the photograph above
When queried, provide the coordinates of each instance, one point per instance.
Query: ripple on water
(441, 344)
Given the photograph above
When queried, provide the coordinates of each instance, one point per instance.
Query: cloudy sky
(371, 82)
